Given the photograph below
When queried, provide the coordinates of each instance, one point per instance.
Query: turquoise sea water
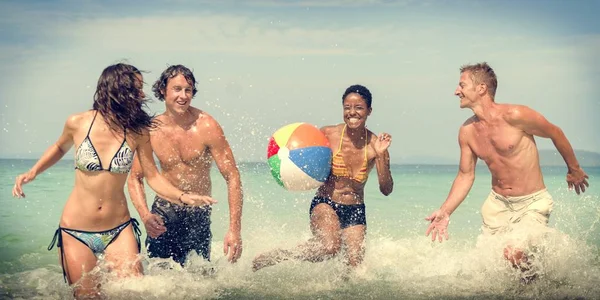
(400, 262)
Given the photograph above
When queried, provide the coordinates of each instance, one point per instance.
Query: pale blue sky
(264, 64)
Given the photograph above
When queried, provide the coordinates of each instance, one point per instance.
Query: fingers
(155, 226)
(18, 189)
(232, 251)
(431, 226)
(431, 217)
(202, 200)
(208, 200)
(237, 252)
(159, 220)
(385, 136)
(154, 233)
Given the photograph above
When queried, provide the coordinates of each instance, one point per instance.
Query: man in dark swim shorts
(186, 142)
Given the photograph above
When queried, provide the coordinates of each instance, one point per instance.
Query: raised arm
(52, 155)
(460, 188)
(536, 124)
(382, 163)
(158, 183)
(221, 152)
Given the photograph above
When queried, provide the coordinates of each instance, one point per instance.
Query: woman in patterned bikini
(95, 221)
(337, 212)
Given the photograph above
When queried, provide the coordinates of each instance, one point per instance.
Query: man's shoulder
(469, 122)
(203, 117)
(515, 112)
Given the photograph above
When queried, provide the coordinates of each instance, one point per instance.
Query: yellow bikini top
(339, 168)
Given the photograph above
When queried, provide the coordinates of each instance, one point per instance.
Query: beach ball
(299, 157)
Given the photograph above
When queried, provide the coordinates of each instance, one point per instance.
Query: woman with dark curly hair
(95, 220)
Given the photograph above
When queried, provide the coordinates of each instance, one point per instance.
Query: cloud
(258, 72)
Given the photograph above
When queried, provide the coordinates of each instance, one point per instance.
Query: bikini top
(87, 159)
(339, 168)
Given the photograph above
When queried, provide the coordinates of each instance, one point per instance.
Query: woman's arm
(52, 155)
(382, 162)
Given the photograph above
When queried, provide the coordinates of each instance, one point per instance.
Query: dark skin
(328, 237)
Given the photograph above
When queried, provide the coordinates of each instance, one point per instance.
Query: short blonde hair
(482, 73)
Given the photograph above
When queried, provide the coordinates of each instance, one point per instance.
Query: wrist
(32, 172)
(144, 215)
(445, 212)
(182, 197)
(235, 229)
(382, 154)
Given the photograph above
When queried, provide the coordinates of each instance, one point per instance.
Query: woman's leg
(78, 260)
(325, 243)
(122, 254)
(354, 241)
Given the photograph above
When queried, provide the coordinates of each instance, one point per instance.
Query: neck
(484, 109)
(182, 120)
(356, 133)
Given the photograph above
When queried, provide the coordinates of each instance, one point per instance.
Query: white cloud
(256, 74)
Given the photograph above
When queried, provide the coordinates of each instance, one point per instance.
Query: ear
(162, 92)
(370, 111)
(482, 89)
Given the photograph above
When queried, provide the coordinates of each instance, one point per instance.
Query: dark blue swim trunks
(188, 228)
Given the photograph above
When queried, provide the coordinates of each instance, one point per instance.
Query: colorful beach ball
(299, 157)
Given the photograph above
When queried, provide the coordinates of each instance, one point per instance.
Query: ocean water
(400, 262)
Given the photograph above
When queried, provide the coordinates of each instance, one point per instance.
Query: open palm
(439, 225)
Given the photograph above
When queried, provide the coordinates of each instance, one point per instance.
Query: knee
(331, 248)
(515, 256)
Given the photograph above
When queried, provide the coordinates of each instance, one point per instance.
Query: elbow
(135, 178)
(468, 177)
(232, 177)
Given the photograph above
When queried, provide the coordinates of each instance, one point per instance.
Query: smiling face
(178, 94)
(356, 110)
(466, 90)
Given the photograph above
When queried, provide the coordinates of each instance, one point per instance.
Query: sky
(264, 64)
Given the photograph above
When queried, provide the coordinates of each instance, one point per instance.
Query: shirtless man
(502, 135)
(186, 142)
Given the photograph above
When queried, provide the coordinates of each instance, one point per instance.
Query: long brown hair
(120, 100)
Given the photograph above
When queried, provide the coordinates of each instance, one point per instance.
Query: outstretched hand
(439, 225)
(232, 246)
(383, 142)
(197, 200)
(577, 179)
(20, 181)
